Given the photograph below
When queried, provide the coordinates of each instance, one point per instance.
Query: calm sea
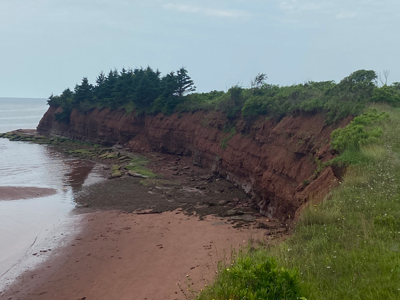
(29, 226)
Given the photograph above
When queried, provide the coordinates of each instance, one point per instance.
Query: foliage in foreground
(348, 246)
(255, 275)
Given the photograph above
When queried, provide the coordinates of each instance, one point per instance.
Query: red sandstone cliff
(273, 161)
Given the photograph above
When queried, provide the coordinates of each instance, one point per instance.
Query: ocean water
(28, 226)
(20, 113)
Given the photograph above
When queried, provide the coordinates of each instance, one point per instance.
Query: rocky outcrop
(273, 161)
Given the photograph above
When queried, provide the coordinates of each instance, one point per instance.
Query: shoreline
(45, 247)
(124, 255)
(141, 236)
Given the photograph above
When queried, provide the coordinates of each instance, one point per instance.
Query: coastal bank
(276, 162)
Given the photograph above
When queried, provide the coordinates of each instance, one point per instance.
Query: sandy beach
(134, 256)
(150, 239)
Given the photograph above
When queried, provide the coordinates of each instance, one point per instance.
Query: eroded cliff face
(274, 162)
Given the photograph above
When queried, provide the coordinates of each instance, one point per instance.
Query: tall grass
(348, 247)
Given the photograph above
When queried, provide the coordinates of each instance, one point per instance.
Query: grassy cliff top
(147, 92)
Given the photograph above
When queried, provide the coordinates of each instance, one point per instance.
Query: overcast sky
(49, 45)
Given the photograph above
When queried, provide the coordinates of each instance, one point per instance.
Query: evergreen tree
(169, 84)
(138, 88)
(123, 89)
(101, 79)
(185, 83)
(147, 83)
(83, 92)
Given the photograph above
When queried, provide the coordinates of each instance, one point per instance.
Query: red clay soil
(19, 192)
(274, 161)
(132, 256)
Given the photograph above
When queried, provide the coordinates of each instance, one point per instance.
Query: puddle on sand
(32, 225)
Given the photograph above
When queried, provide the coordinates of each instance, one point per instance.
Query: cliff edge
(275, 162)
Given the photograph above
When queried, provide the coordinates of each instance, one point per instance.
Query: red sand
(20, 192)
(129, 256)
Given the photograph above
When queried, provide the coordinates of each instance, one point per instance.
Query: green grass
(348, 246)
(254, 275)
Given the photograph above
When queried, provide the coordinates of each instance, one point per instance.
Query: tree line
(146, 91)
(140, 89)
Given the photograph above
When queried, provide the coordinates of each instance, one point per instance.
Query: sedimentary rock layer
(273, 161)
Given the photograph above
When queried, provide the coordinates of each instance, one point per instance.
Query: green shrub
(387, 94)
(254, 106)
(311, 105)
(196, 101)
(232, 102)
(339, 107)
(357, 133)
(254, 277)
(165, 105)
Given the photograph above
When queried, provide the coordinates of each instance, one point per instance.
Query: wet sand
(133, 256)
(138, 239)
(21, 192)
(37, 188)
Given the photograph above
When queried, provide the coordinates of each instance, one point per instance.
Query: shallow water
(28, 224)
